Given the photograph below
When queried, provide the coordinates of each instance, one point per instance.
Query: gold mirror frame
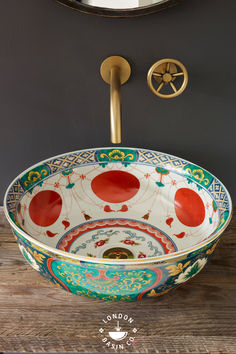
(100, 11)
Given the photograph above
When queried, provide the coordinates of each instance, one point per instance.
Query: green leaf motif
(26, 256)
(192, 271)
(214, 205)
(70, 185)
(160, 184)
(103, 165)
(162, 171)
(67, 172)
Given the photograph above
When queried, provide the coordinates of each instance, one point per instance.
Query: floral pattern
(30, 259)
(37, 256)
(93, 237)
(130, 242)
(71, 175)
(115, 283)
(191, 271)
(101, 242)
(175, 269)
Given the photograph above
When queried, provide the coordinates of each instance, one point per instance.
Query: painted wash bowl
(117, 223)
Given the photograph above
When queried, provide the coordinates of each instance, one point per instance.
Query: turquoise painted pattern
(33, 177)
(199, 175)
(116, 283)
(125, 156)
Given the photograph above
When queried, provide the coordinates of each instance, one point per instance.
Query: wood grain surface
(199, 317)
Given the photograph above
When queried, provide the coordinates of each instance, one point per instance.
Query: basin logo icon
(118, 331)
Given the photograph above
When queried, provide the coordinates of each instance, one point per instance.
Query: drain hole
(118, 253)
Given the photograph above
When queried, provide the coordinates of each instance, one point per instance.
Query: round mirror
(118, 8)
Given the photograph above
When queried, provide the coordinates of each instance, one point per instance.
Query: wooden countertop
(199, 317)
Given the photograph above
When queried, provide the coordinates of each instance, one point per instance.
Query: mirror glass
(119, 8)
(120, 4)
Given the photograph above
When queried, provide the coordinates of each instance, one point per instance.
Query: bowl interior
(118, 205)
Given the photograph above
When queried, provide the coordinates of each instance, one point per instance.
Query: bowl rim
(69, 255)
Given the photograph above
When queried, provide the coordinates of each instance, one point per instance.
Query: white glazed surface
(152, 205)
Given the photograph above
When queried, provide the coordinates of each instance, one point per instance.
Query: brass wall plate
(119, 62)
(108, 12)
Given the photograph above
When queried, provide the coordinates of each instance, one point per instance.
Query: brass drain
(118, 253)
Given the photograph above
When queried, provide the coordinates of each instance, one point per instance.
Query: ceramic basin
(117, 223)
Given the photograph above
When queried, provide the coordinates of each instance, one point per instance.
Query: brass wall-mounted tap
(163, 74)
(115, 71)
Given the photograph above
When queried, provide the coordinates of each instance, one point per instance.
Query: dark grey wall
(53, 100)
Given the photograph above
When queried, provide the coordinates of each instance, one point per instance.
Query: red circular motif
(45, 208)
(115, 186)
(189, 207)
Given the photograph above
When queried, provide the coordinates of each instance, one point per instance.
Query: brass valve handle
(165, 72)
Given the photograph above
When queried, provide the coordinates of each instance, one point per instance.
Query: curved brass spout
(115, 105)
(115, 71)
